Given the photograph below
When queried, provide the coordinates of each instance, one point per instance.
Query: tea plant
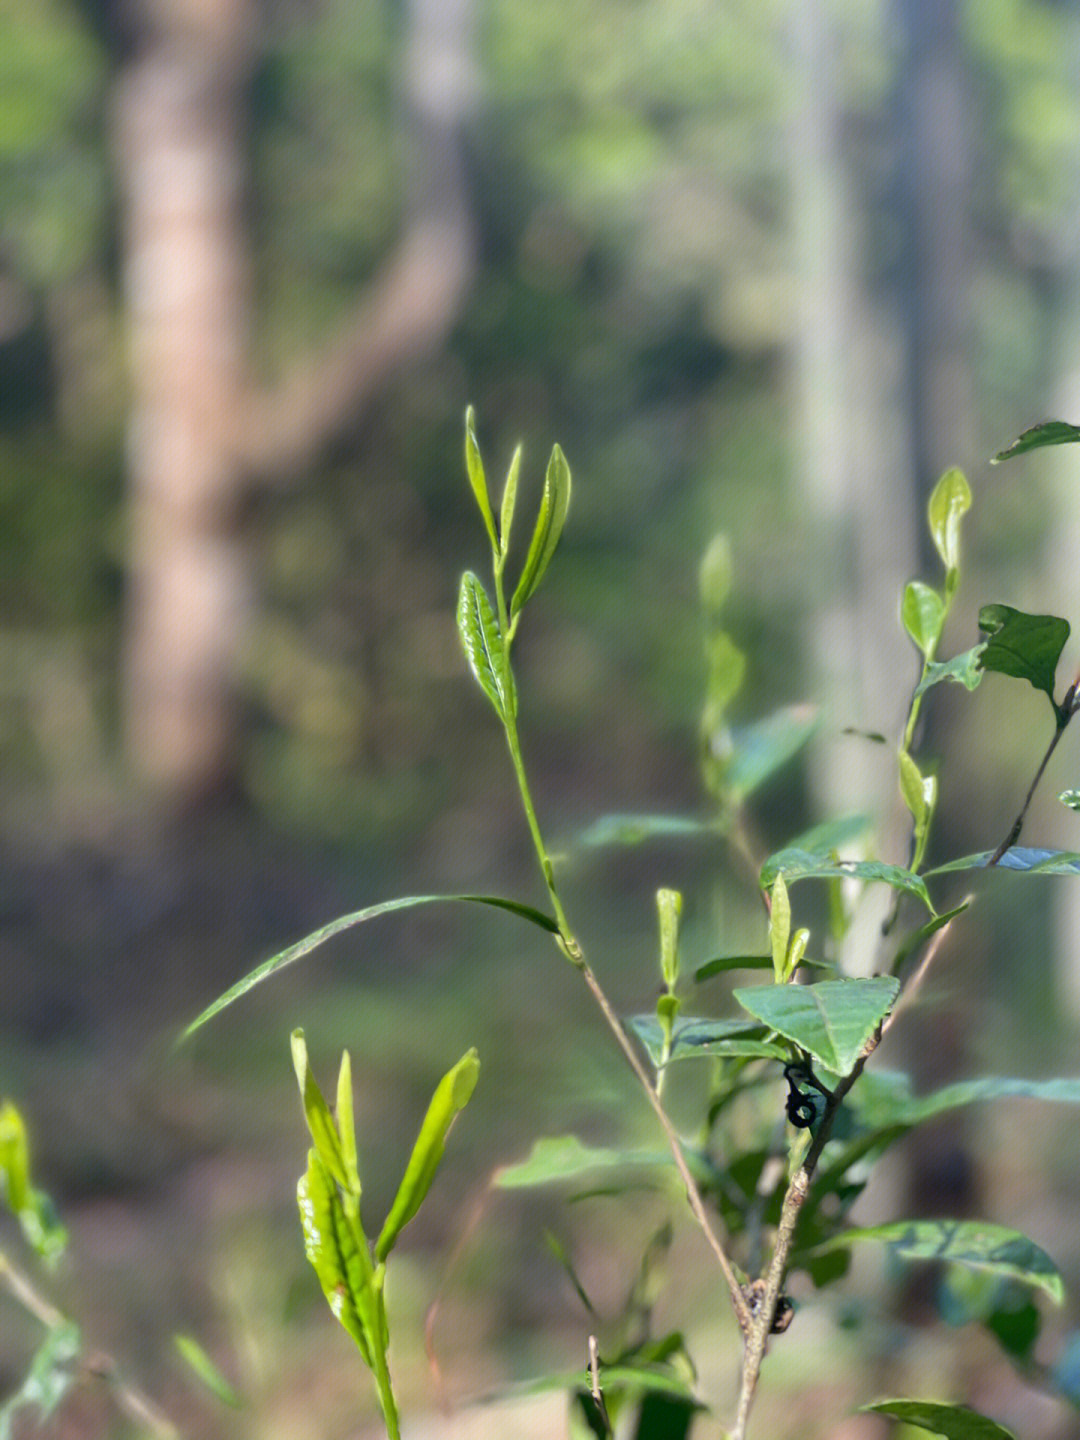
(780, 1204)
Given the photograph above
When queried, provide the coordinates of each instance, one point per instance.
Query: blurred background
(759, 268)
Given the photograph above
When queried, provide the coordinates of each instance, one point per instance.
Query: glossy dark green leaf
(831, 1020)
(760, 749)
(974, 1243)
(336, 1250)
(1024, 859)
(475, 468)
(923, 614)
(1027, 647)
(1049, 432)
(554, 504)
(345, 922)
(725, 963)
(484, 647)
(953, 1422)
(802, 865)
(694, 1037)
(452, 1094)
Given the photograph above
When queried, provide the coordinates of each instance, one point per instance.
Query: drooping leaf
(699, 1037)
(557, 1159)
(1027, 647)
(949, 503)
(484, 646)
(339, 1256)
(953, 1422)
(802, 865)
(318, 937)
(923, 614)
(554, 504)
(475, 468)
(831, 1020)
(1023, 858)
(973, 1243)
(200, 1363)
(760, 749)
(963, 669)
(452, 1094)
(1049, 432)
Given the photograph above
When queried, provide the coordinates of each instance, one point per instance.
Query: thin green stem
(1064, 715)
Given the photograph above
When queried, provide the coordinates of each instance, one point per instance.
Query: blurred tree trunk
(200, 435)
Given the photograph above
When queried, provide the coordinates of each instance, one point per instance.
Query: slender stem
(1065, 714)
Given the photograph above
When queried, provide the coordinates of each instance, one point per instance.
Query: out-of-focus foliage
(637, 295)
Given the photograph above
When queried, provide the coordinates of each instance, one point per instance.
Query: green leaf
(723, 963)
(32, 1208)
(53, 1371)
(715, 575)
(555, 1159)
(320, 1122)
(963, 669)
(920, 796)
(692, 1036)
(554, 504)
(452, 1094)
(923, 614)
(1070, 799)
(1024, 858)
(346, 1125)
(949, 503)
(780, 927)
(337, 1253)
(1050, 432)
(345, 922)
(912, 942)
(759, 750)
(1027, 647)
(954, 1422)
(973, 1243)
(484, 647)
(509, 500)
(802, 865)
(198, 1360)
(475, 467)
(895, 1105)
(633, 829)
(669, 905)
(831, 1020)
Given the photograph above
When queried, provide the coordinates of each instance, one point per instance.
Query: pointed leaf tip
(554, 504)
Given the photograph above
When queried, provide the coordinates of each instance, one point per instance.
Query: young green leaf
(346, 1126)
(923, 614)
(1050, 432)
(715, 575)
(320, 1122)
(554, 504)
(485, 648)
(556, 1159)
(952, 1422)
(669, 905)
(831, 1020)
(451, 1096)
(949, 503)
(338, 1254)
(920, 796)
(475, 467)
(963, 669)
(201, 1364)
(311, 942)
(1027, 647)
(32, 1208)
(780, 927)
(1070, 799)
(973, 1243)
(509, 500)
(53, 1370)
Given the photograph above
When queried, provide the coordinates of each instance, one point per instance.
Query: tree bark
(201, 435)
